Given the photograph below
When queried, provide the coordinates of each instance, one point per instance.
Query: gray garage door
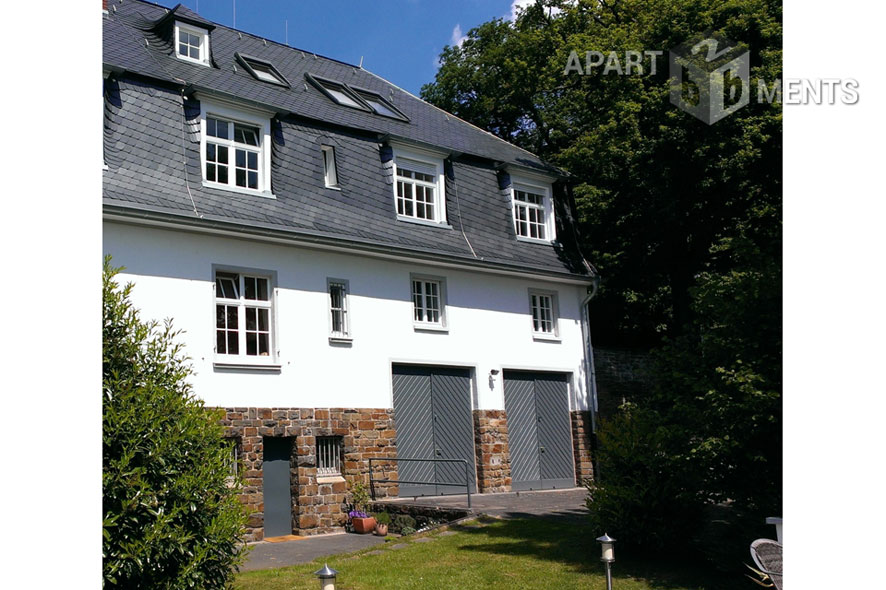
(432, 413)
(276, 486)
(539, 430)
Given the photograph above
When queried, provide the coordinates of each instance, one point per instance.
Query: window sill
(333, 187)
(536, 240)
(321, 479)
(340, 340)
(430, 328)
(247, 366)
(239, 190)
(191, 60)
(440, 224)
(546, 337)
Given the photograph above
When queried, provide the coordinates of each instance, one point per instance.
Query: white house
(358, 274)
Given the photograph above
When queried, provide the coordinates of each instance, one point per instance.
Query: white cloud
(457, 37)
(517, 5)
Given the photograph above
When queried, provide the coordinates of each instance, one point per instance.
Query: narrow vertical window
(427, 302)
(543, 308)
(330, 174)
(338, 309)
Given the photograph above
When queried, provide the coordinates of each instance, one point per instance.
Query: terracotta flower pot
(363, 525)
(381, 530)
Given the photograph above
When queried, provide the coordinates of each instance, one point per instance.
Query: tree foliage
(171, 518)
(683, 220)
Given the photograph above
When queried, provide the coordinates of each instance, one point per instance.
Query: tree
(656, 189)
(683, 220)
(171, 516)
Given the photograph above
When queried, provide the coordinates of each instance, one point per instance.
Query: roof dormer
(188, 33)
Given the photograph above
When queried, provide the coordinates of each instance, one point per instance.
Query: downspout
(590, 372)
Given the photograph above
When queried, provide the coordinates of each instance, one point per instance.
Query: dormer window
(235, 150)
(192, 43)
(419, 193)
(533, 211)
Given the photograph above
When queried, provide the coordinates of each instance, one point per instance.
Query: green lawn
(502, 554)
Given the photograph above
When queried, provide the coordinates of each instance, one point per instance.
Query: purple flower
(356, 514)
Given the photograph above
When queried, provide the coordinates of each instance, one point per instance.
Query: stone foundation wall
(318, 506)
(581, 446)
(493, 455)
(622, 375)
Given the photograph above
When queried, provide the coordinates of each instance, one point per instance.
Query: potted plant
(383, 519)
(361, 522)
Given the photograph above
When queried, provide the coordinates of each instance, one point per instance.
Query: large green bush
(644, 497)
(171, 516)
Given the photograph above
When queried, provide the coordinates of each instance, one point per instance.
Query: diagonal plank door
(539, 430)
(432, 413)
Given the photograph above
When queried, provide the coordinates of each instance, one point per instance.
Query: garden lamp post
(327, 577)
(607, 548)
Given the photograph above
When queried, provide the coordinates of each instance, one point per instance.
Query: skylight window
(379, 105)
(340, 94)
(262, 70)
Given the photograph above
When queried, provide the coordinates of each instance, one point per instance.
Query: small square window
(329, 455)
(330, 173)
(192, 44)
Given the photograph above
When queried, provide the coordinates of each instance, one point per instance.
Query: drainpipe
(590, 373)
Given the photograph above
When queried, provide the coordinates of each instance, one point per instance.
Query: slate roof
(150, 130)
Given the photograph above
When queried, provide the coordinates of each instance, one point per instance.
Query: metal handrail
(373, 481)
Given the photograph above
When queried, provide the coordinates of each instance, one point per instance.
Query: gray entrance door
(276, 486)
(432, 412)
(539, 430)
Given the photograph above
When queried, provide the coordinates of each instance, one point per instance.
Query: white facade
(488, 322)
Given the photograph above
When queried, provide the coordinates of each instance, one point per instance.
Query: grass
(501, 554)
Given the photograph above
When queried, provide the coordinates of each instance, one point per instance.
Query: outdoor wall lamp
(327, 577)
(607, 549)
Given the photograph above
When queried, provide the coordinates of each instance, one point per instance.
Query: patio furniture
(767, 554)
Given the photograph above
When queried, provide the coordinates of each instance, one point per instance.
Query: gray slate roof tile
(152, 147)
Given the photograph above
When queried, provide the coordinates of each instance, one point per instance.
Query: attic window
(338, 92)
(379, 104)
(192, 43)
(262, 70)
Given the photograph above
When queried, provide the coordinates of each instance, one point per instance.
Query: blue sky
(399, 40)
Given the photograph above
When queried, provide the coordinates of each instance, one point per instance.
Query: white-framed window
(244, 317)
(543, 307)
(192, 43)
(235, 148)
(419, 189)
(339, 317)
(330, 172)
(533, 211)
(329, 456)
(428, 302)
